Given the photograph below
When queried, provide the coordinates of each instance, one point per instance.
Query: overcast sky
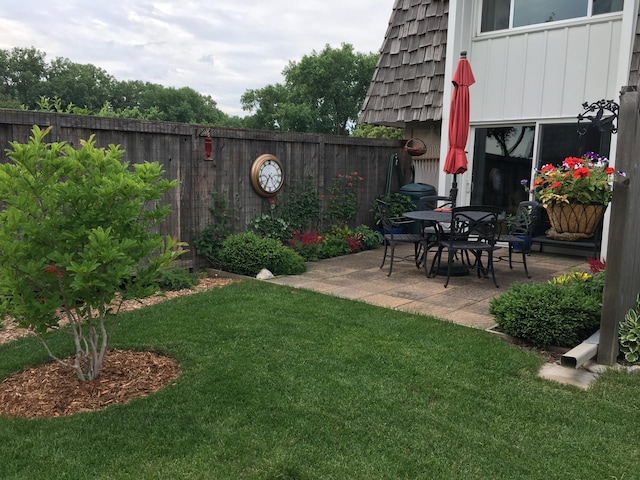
(219, 47)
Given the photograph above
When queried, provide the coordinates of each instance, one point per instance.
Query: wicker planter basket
(415, 147)
(572, 222)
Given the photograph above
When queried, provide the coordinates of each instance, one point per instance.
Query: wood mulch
(52, 390)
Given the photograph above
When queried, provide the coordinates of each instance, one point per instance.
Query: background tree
(322, 93)
(377, 131)
(22, 73)
(85, 86)
(27, 81)
(75, 237)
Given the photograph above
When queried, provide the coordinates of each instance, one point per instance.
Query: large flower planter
(573, 221)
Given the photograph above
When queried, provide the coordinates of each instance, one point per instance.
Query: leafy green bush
(343, 199)
(368, 238)
(85, 216)
(629, 334)
(299, 204)
(267, 226)
(548, 314)
(398, 204)
(176, 279)
(308, 245)
(208, 242)
(247, 254)
(334, 246)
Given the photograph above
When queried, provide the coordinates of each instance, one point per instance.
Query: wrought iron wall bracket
(602, 114)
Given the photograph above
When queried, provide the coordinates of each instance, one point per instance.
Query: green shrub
(308, 245)
(368, 238)
(247, 254)
(343, 199)
(208, 242)
(629, 334)
(88, 219)
(548, 314)
(334, 246)
(299, 204)
(267, 226)
(176, 279)
(398, 204)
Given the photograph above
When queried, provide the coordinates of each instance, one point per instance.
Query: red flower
(54, 269)
(581, 172)
(610, 171)
(556, 184)
(571, 162)
(547, 168)
(596, 265)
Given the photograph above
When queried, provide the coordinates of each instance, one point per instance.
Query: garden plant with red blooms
(584, 180)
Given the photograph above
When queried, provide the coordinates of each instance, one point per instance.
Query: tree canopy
(322, 93)
(28, 81)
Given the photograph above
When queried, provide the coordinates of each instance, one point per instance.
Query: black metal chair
(520, 228)
(473, 230)
(392, 237)
(433, 231)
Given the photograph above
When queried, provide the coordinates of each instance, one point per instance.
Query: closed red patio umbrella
(456, 161)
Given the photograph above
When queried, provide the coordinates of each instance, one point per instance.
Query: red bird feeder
(208, 147)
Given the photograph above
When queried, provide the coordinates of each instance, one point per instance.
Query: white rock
(264, 274)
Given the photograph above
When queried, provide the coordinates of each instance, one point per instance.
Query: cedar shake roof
(408, 81)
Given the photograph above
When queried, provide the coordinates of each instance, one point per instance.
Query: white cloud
(220, 49)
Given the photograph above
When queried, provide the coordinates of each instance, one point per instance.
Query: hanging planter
(415, 147)
(573, 221)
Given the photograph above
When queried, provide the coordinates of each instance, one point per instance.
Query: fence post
(623, 264)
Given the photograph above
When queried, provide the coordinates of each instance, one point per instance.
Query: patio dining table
(441, 216)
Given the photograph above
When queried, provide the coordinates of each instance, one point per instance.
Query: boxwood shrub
(247, 254)
(548, 314)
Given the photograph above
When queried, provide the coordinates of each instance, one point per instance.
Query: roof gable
(408, 82)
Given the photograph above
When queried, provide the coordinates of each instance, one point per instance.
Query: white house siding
(544, 74)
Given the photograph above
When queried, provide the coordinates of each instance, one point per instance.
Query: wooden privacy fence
(180, 149)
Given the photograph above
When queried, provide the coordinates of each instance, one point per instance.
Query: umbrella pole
(453, 193)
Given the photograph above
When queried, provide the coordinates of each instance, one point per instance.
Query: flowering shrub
(587, 180)
(596, 265)
(343, 198)
(308, 244)
(355, 242)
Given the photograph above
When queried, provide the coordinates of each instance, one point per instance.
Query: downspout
(578, 356)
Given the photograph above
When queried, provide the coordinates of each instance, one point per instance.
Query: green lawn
(286, 384)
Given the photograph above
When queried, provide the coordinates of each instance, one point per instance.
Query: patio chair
(434, 231)
(392, 233)
(520, 229)
(473, 230)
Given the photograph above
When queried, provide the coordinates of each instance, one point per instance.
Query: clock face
(267, 175)
(270, 176)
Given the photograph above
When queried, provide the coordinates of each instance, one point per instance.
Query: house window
(504, 14)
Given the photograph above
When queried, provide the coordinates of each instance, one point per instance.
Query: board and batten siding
(179, 148)
(544, 73)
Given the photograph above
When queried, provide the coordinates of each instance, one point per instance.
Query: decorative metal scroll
(602, 114)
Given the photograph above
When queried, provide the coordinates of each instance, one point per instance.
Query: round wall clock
(267, 175)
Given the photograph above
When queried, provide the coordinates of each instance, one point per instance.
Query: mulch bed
(53, 390)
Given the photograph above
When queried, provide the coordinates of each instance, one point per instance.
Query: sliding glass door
(504, 156)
